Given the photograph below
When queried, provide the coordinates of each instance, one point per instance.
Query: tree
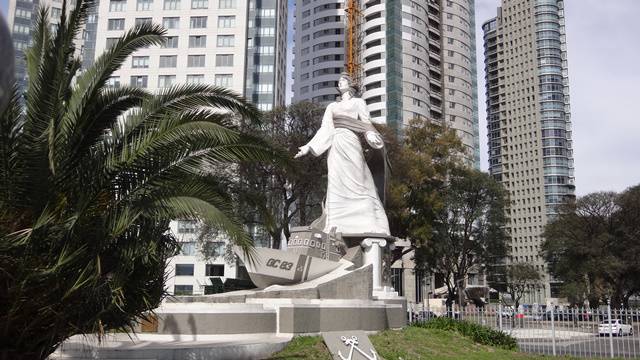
(591, 245)
(274, 198)
(517, 280)
(420, 164)
(90, 177)
(467, 230)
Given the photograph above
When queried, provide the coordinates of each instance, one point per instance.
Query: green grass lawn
(408, 344)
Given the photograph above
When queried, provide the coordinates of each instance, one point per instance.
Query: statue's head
(346, 84)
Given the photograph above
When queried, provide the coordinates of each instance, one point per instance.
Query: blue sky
(603, 52)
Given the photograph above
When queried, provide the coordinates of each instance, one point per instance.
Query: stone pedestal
(373, 256)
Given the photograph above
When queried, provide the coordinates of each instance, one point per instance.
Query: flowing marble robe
(352, 204)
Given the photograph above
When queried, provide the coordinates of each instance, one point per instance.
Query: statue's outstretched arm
(321, 141)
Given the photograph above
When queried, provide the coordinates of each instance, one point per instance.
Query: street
(590, 347)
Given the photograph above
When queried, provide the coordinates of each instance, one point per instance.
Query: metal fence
(579, 332)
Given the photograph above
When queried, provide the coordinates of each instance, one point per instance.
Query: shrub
(478, 333)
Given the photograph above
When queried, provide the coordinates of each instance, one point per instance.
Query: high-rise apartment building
(237, 44)
(529, 125)
(22, 16)
(417, 61)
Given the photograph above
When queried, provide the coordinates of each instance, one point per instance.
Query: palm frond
(89, 85)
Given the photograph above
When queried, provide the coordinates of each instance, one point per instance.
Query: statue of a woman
(352, 205)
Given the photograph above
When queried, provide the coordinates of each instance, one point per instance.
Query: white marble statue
(352, 203)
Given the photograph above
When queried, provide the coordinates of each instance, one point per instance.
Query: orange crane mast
(353, 39)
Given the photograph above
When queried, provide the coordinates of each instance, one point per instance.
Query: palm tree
(90, 177)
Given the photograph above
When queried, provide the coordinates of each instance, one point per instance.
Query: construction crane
(353, 39)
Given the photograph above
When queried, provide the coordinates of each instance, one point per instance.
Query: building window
(111, 41)
(171, 42)
(172, 4)
(199, 4)
(113, 82)
(171, 22)
(225, 40)
(115, 24)
(188, 248)
(265, 69)
(214, 270)
(224, 60)
(186, 227)
(168, 61)
(269, 13)
(20, 45)
(165, 81)
(198, 22)
(195, 61)
(225, 22)
(140, 62)
(20, 29)
(226, 4)
(182, 290)
(195, 79)
(224, 80)
(117, 5)
(139, 81)
(144, 5)
(267, 31)
(184, 269)
(56, 13)
(266, 50)
(264, 88)
(197, 41)
(22, 13)
(265, 106)
(141, 21)
(215, 249)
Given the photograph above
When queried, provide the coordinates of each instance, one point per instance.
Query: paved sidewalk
(170, 347)
(521, 334)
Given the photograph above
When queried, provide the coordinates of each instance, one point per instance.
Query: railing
(579, 332)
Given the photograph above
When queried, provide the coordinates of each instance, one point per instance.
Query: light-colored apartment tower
(417, 61)
(22, 16)
(529, 126)
(237, 44)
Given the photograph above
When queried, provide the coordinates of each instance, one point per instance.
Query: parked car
(507, 312)
(615, 327)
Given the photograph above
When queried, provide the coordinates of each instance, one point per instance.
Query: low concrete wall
(280, 316)
(217, 323)
(309, 319)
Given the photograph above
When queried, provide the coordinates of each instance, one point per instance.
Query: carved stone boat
(310, 254)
